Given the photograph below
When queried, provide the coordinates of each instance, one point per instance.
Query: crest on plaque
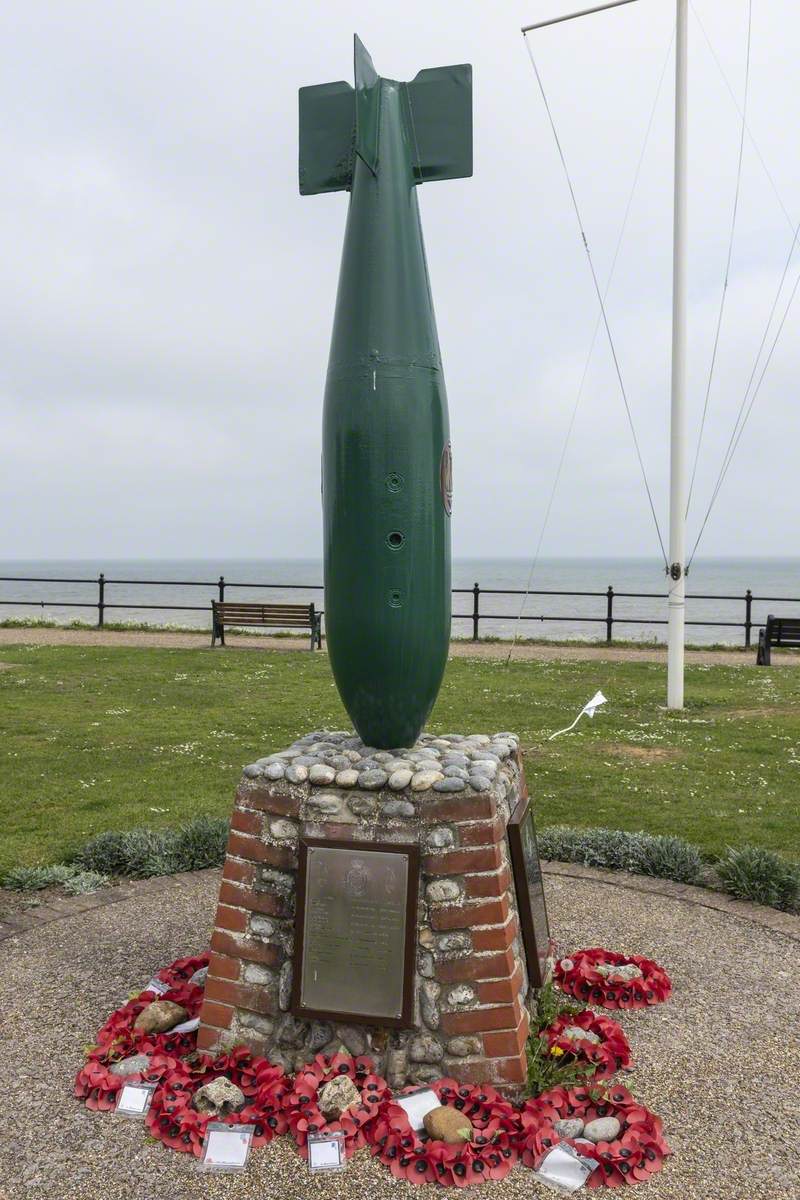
(357, 879)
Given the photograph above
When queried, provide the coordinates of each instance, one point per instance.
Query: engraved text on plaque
(355, 918)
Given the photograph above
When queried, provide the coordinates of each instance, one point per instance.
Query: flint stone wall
(471, 985)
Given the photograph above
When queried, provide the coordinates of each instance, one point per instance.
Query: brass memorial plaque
(355, 931)
(529, 888)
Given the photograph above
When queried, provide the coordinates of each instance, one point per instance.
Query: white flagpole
(677, 493)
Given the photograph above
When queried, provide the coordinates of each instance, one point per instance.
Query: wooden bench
(779, 631)
(269, 616)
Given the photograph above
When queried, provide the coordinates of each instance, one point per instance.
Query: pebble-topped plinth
(450, 795)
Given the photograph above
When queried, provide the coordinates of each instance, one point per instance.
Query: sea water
(67, 590)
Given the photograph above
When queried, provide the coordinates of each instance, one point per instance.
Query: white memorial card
(226, 1147)
(563, 1169)
(133, 1099)
(158, 986)
(416, 1105)
(326, 1152)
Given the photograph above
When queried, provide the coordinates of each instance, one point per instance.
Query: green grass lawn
(108, 738)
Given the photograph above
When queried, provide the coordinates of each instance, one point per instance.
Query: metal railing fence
(606, 617)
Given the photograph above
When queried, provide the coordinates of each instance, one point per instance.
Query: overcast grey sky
(166, 295)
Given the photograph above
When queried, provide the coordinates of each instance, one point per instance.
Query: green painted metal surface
(386, 465)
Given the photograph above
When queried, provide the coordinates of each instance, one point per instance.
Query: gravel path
(719, 1062)
(538, 653)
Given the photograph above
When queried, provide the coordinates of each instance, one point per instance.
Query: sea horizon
(567, 597)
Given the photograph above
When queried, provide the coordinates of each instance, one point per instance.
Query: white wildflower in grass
(181, 749)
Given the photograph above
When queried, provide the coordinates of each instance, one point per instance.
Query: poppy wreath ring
(632, 1157)
(97, 1085)
(602, 1043)
(418, 1159)
(302, 1104)
(612, 980)
(173, 1119)
(120, 1029)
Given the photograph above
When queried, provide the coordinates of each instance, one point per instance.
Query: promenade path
(539, 652)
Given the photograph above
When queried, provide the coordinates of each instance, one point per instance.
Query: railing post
(609, 612)
(221, 586)
(476, 616)
(748, 613)
(101, 599)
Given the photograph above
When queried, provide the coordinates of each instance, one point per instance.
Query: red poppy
(589, 975)
(302, 1109)
(120, 1025)
(182, 970)
(175, 1122)
(415, 1157)
(635, 1154)
(610, 1054)
(97, 1085)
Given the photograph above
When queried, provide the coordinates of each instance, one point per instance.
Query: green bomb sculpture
(386, 460)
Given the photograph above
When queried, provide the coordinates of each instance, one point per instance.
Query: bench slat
(295, 608)
(248, 612)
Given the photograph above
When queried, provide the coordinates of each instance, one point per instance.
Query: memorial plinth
(370, 901)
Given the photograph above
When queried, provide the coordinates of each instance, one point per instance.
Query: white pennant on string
(588, 710)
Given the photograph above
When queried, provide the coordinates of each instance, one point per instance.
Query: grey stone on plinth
(319, 1034)
(425, 1049)
(285, 986)
(463, 1047)
(363, 806)
(262, 1025)
(441, 890)
(397, 808)
(453, 944)
(353, 1038)
(425, 964)
(256, 973)
(270, 880)
(429, 993)
(461, 995)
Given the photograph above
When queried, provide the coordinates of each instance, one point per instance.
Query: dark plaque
(355, 931)
(530, 890)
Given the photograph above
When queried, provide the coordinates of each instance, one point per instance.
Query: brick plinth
(471, 981)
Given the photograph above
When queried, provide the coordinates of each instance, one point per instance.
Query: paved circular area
(719, 1062)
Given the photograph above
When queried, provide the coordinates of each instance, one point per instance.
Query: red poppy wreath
(605, 1124)
(593, 1038)
(120, 1030)
(612, 980)
(235, 1088)
(183, 969)
(417, 1158)
(331, 1095)
(103, 1074)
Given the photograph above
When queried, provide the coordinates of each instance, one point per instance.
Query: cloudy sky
(166, 295)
